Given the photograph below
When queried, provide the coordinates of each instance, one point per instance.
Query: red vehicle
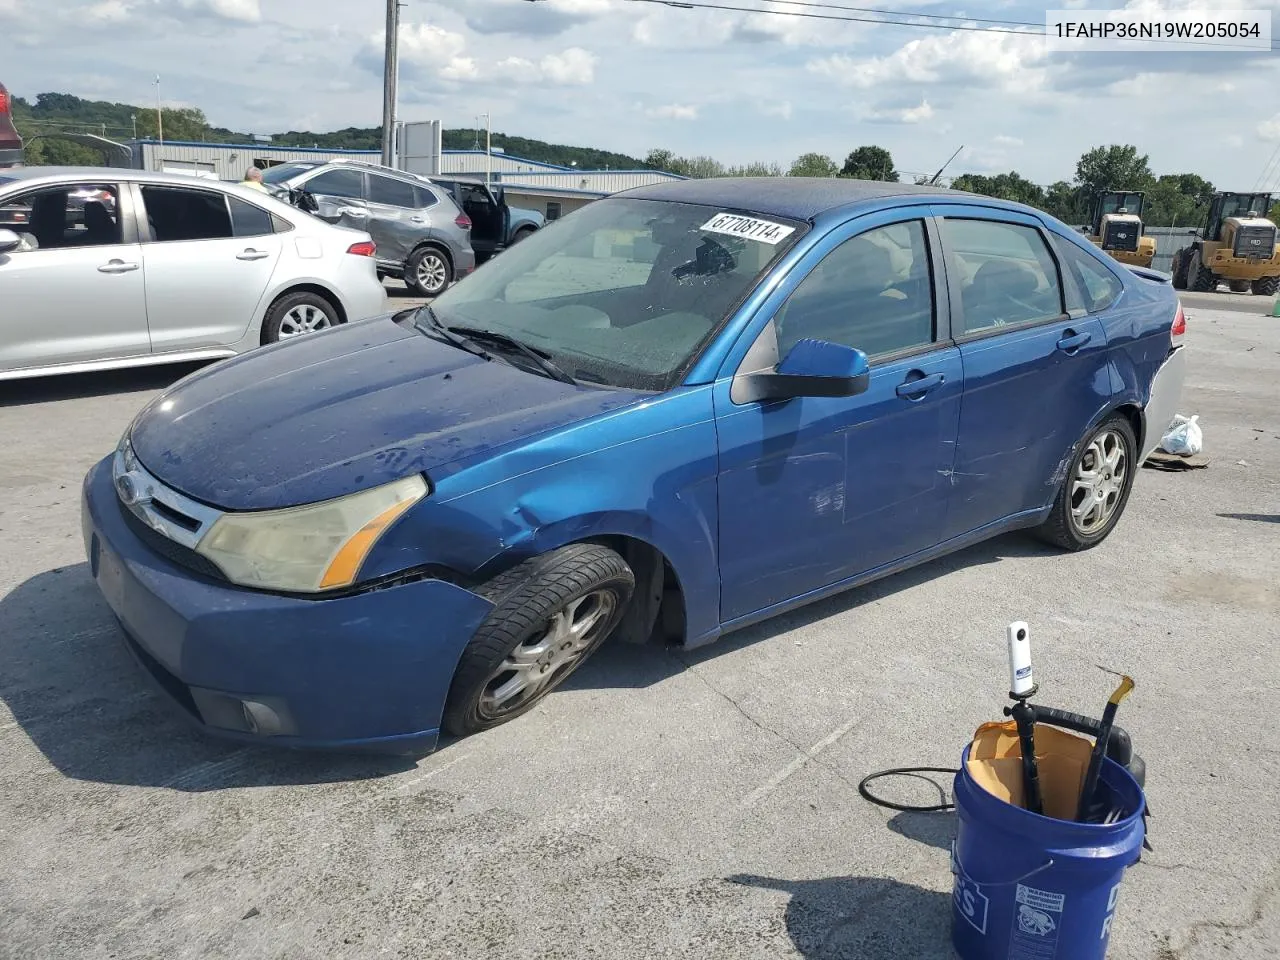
(10, 142)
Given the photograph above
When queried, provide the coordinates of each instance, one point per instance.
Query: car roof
(100, 173)
(795, 198)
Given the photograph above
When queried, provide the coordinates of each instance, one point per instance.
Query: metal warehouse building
(550, 189)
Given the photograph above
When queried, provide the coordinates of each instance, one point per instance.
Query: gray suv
(421, 234)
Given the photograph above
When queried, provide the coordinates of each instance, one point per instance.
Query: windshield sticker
(748, 228)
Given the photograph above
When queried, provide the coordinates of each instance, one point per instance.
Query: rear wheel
(1179, 271)
(550, 614)
(1239, 286)
(296, 314)
(1093, 496)
(1267, 286)
(1199, 277)
(427, 272)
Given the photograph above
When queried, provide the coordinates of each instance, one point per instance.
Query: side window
(1099, 285)
(873, 292)
(423, 198)
(392, 192)
(75, 215)
(337, 183)
(1007, 274)
(176, 213)
(248, 220)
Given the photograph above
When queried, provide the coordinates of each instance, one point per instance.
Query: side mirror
(813, 368)
(9, 241)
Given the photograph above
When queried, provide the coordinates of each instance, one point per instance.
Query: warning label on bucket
(1036, 924)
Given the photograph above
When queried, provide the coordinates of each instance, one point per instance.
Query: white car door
(73, 291)
(208, 259)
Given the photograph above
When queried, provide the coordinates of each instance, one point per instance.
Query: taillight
(365, 248)
(463, 221)
(1179, 324)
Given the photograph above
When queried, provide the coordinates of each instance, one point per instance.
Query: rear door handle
(917, 388)
(117, 266)
(1072, 341)
(417, 219)
(352, 212)
(252, 254)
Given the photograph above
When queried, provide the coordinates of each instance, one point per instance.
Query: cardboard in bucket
(995, 764)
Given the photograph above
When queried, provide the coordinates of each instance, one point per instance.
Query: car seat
(99, 227)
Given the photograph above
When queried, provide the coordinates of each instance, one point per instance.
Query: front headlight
(311, 548)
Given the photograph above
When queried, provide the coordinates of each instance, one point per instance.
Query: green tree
(1062, 200)
(870, 163)
(1113, 167)
(758, 169)
(813, 165)
(1006, 186)
(1177, 199)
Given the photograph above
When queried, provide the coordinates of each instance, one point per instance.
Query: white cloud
(1235, 140)
(780, 110)
(1270, 129)
(673, 111)
(243, 11)
(8, 8)
(573, 66)
(431, 48)
(916, 114)
(1006, 141)
(1006, 60)
(1139, 85)
(108, 11)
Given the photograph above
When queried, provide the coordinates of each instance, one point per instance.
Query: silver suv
(422, 235)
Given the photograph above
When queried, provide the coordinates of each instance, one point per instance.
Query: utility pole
(390, 73)
(488, 148)
(159, 114)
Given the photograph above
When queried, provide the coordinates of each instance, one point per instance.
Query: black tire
(1267, 286)
(1061, 528)
(526, 599)
(523, 234)
(1179, 271)
(285, 316)
(1239, 286)
(1199, 277)
(428, 271)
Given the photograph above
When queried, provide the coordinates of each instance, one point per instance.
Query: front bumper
(368, 671)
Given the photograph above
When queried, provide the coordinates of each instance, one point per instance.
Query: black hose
(906, 771)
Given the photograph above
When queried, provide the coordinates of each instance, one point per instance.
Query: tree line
(1172, 199)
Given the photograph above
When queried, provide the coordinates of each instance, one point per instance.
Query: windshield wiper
(503, 339)
(462, 343)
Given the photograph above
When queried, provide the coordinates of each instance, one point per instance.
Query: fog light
(261, 718)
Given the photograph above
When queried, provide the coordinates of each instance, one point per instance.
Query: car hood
(344, 410)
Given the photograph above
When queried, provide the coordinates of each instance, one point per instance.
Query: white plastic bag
(1183, 438)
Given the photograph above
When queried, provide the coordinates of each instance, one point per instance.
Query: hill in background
(63, 112)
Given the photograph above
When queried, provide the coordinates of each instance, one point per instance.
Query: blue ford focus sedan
(677, 411)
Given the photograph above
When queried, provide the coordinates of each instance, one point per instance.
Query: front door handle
(352, 212)
(117, 266)
(1072, 341)
(417, 219)
(252, 254)
(918, 387)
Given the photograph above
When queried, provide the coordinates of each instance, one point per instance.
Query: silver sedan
(103, 268)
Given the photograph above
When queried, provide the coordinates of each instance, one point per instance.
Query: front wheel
(1199, 277)
(1267, 286)
(1094, 494)
(550, 614)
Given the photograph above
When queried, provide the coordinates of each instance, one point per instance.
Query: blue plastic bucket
(1029, 887)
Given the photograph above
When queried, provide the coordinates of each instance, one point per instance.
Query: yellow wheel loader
(1238, 246)
(1115, 225)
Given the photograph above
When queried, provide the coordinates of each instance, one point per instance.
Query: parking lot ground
(666, 804)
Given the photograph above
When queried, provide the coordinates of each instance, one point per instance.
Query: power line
(885, 18)
(909, 13)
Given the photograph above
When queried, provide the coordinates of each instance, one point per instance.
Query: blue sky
(632, 76)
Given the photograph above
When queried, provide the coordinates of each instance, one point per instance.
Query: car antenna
(934, 179)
